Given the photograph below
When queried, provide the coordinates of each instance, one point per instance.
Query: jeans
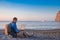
(14, 35)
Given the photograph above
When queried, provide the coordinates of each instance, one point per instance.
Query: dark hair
(14, 18)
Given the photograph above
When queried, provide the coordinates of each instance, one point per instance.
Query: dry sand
(38, 35)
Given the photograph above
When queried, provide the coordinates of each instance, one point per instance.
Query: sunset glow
(32, 10)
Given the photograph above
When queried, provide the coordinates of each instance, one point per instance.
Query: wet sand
(38, 35)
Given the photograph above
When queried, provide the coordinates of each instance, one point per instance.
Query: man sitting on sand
(12, 28)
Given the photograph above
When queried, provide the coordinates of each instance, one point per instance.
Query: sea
(35, 25)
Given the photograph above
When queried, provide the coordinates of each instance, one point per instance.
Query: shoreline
(39, 35)
(43, 32)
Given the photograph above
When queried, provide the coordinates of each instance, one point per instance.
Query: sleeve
(16, 30)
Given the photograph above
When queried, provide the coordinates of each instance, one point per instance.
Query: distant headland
(58, 17)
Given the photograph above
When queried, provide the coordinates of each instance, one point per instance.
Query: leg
(25, 34)
(14, 35)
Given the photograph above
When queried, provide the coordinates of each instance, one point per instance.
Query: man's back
(8, 29)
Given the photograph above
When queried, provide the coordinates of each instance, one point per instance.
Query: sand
(38, 35)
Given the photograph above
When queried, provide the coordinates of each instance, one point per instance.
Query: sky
(29, 10)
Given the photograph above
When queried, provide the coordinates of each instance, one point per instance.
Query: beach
(37, 35)
(33, 19)
(40, 30)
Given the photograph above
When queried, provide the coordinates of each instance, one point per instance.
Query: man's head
(15, 19)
